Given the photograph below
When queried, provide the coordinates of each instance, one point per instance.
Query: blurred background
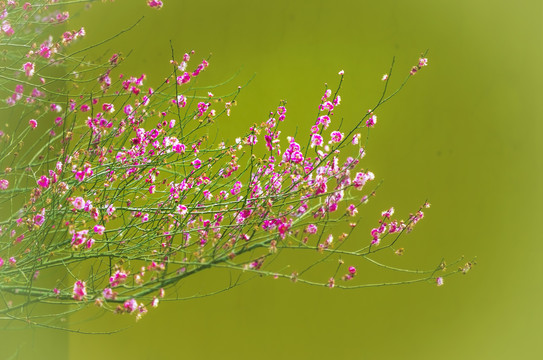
(463, 134)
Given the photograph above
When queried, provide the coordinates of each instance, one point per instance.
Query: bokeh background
(464, 134)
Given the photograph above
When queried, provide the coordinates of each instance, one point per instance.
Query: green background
(464, 134)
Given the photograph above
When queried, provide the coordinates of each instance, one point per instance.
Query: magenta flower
(110, 210)
(6, 28)
(324, 121)
(316, 140)
(89, 243)
(28, 68)
(131, 305)
(107, 107)
(236, 188)
(352, 210)
(78, 203)
(39, 218)
(118, 278)
(80, 175)
(196, 163)
(311, 229)
(388, 213)
(79, 237)
(157, 4)
(182, 209)
(326, 106)
(336, 136)
(80, 290)
(99, 229)
(4, 184)
(44, 182)
(371, 121)
(109, 294)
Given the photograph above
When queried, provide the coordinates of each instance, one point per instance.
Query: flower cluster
(130, 196)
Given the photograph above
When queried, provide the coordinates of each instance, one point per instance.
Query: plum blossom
(44, 182)
(336, 136)
(29, 69)
(80, 290)
(78, 203)
(371, 121)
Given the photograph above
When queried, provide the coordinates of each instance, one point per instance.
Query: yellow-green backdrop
(464, 134)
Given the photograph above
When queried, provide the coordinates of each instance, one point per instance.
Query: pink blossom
(311, 229)
(356, 138)
(88, 206)
(44, 182)
(316, 140)
(183, 79)
(39, 218)
(107, 107)
(79, 237)
(90, 242)
(128, 109)
(99, 229)
(6, 28)
(45, 51)
(78, 203)
(110, 209)
(12, 261)
(297, 157)
(388, 213)
(352, 270)
(326, 106)
(439, 281)
(181, 209)
(236, 188)
(196, 163)
(1, 262)
(109, 294)
(118, 278)
(371, 121)
(361, 179)
(131, 305)
(80, 175)
(155, 3)
(252, 140)
(29, 68)
(324, 120)
(352, 210)
(423, 62)
(80, 290)
(336, 136)
(4, 184)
